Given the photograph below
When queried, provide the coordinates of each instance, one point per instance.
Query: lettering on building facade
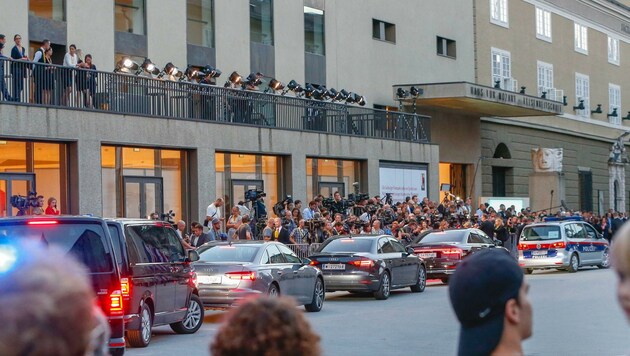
(516, 99)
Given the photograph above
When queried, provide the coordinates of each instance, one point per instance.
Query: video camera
(23, 203)
(279, 206)
(168, 217)
(252, 195)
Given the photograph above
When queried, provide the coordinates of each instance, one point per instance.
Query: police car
(565, 244)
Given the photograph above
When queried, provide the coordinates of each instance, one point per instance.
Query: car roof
(128, 221)
(51, 217)
(362, 237)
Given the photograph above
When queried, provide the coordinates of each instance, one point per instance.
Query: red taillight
(313, 263)
(522, 246)
(242, 275)
(560, 244)
(116, 303)
(452, 253)
(125, 286)
(43, 222)
(362, 263)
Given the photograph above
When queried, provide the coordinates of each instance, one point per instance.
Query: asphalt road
(574, 314)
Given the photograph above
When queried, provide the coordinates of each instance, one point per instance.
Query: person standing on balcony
(71, 60)
(49, 77)
(39, 71)
(3, 89)
(18, 67)
(86, 82)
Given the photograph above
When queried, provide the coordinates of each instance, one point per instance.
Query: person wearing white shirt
(71, 59)
(214, 211)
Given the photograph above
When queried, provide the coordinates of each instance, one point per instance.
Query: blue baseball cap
(479, 289)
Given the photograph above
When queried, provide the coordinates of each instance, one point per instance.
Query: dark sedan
(229, 272)
(369, 263)
(442, 251)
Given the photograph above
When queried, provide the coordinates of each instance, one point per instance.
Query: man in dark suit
(281, 234)
(615, 225)
(487, 225)
(199, 237)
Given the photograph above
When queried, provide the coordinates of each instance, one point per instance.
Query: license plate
(209, 279)
(539, 256)
(427, 255)
(539, 253)
(334, 266)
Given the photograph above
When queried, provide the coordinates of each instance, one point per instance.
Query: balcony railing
(121, 93)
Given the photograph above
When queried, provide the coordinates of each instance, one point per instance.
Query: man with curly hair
(266, 327)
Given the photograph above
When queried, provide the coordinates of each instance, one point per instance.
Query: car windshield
(86, 241)
(348, 245)
(444, 236)
(537, 233)
(229, 253)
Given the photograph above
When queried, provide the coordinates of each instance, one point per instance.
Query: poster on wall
(403, 181)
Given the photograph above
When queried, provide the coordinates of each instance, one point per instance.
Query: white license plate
(427, 255)
(539, 256)
(334, 266)
(209, 279)
(539, 253)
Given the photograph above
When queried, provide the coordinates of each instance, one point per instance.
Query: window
(158, 244)
(314, 31)
(200, 22)
(275, 256)
(48, 9)
(582, 92)
(545, 78)
(446, 47)
(499, 12)
(581, 38)
(613, 50)
(474, 239)
(383, 31)
(501, 69)
(585, 187)
(614, 102)
(543, 24)
(130, 16)
(261, 21)
(398, 247)
(289, 255)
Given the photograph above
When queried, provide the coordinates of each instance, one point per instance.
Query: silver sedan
(230, 272)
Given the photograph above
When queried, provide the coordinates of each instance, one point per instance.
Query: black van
(159, 283)
(87, 239)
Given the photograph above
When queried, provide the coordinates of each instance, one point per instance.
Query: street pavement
(574, 314)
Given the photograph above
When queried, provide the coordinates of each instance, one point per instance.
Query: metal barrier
(122, 93)
(304, 250)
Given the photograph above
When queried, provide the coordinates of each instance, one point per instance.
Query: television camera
(23, 203)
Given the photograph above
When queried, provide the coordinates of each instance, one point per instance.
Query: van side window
(156, 244)
(117, 243)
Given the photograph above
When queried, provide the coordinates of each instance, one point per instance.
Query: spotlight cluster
(412, 92)
(252, 82)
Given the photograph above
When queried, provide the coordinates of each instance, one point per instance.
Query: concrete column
(373, 178)
(90, 192)
(232, 45)
(87, 32)
(434, 172)
(289, 40)
(166, 30)
(203, 182)
(298, 177)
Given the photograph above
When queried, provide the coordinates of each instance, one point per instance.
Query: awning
(479, 100)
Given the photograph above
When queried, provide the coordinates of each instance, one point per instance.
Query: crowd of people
(51, 84)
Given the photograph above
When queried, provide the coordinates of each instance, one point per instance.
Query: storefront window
(237, 173)
(28, 166)
(326, 176)
(261, 21)
(130, 16)
(48, 9)
(138, 181)
(200, 22)
(314, 36)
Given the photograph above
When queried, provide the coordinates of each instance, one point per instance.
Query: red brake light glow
(242, 275)
(116, 303)
(363, 263)
(43, 222)
(313, 263)
(124, 286)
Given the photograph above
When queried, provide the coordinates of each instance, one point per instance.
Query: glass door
(12, 184)
(327, 189)
(142, 196)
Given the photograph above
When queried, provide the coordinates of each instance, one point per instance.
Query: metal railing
(304, 250)
(121, 93)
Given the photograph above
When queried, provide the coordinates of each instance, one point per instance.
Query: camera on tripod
(279, 206)
(23, 203)
(253, 194)
(168, 217)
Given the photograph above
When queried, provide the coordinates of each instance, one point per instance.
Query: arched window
(502, 151)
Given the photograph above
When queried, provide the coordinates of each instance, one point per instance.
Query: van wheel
(385, 287)
(574, 264)
(605, 260)
(193, 319)
(142, 337)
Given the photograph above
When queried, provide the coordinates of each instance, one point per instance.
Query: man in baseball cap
(489, 295)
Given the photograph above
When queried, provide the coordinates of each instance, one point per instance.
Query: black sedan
(230, 272)
(442, 251)
(369, 263)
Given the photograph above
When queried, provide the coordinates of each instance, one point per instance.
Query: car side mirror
(306, 261)
(192, 256)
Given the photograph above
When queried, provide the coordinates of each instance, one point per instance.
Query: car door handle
(295, 272)
(279, 272)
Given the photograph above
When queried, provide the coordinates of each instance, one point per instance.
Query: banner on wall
(403, 181)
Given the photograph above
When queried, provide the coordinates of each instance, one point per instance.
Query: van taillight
(116, 303)
(124, 286)
(43, 222)
(522, 246)
(560, 244)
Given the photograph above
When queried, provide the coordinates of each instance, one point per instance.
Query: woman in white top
(71, 59)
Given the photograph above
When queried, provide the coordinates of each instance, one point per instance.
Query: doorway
(14, 184)
(142, 196)
(327, 189)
